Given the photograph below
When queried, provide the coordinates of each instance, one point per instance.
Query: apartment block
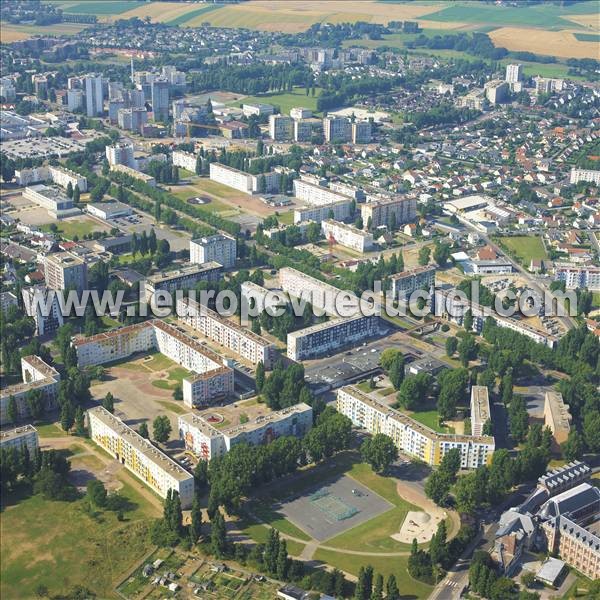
(19, 437)
(133, 118)
(120, 154)
(63, 176)
(210, 379)
(180, 279)
(208, 442)
(160, 99)
(94, 95)
(410, 436)
(227, 333)
(253, 294)
(337, 211)
(220, 248)
(337, 129)
(320, 294)
(186, 160)
(496, 91)
(316, 195)
(281, 127)
(35, 301)
(389, 212)
(403, 284)
(140, 456)
(64, 271)
(557, 417)
(242, 181)
(480, 409)
(578, 277)
(37, 376)
(299, 112)
(330, 336)
(547, 85)
(361, 132)
(304, 129)
(135, 174)
(347, 235)
(514, 73)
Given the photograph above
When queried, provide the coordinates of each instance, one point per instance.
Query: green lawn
(285, 100)
(409, 588)
(58, 545)
(79, 227)
(203, 186)
(260, 534)
(596, 299)
(547, 16)
(286, 218)
(430, 418)
(267, 515)
(523, 248)
(374, 535)
(49, 430)
(176, 376)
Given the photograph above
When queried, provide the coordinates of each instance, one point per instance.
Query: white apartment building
(35, 301)
(316, 195)
(94, 95)
(496, 91)
(578, 277)
(403, 284)
(480, 409)
(133, 118)
(220, 248)
(210, 381)
(410, 436)
(227, 333)
(186, 160)
(329, 336)
(140, 456)
(347, 235)
(25, 435)
(347, 190)
(545, 85)
(337, 211)
(281, 127)
(589, 175)
(207, 441)
(147, 179)
(244, 182)
(380, 211)
(64, 271)
(514, 73)
(74, 100)
(337, 129)
(36, 375)
(254, 294)
(305, 128)
(120, 154)
(58, 204)
(63, 176)
(180, 279)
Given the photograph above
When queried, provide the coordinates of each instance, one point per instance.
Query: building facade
(480, 409)
(403, 284)
(389, 212)
(65, 271)
(220, 248)
(94, 95)
(180, 279)
(347, 235)
(19, 437)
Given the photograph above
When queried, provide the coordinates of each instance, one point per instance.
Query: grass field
(98, 7)
(430, 418)
(175, 377)
(286, 100)
(409, 588)
(267, 515)
(13, 33)
(193, 16)
(588, 37)
(58, 545)
(374, 534)
(524, 248)
(260, 534)
(596, 299)
(206, 186)
(76, 227)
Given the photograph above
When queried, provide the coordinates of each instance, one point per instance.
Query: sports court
(329, 509)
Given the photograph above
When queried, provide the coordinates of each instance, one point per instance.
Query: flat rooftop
(17, 432)
(139, 443)
(480, 403)
(183, 272)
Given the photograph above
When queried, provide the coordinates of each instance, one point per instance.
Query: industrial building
(140, 456)
(108, 210)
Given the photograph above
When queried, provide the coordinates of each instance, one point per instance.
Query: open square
(329, 509)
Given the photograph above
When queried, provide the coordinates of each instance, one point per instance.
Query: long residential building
(227, 333)
(207, 441)
(37, 377)
(140, 456)
(316, 195)
(322, 338)
(59, 175)
(480, 409)
(403, 284)
(134, 174)
(244, 182)
(578, 277)
(338, 211)
(26, 435)
(186, 160)
(347, 235)
(210, 380)
(220, 248)
(410, 436)
(390, 212)
(557, 417)
(180, 279)
(589, 175)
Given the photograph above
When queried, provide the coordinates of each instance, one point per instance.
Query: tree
(467, 349)
(468, 320)
(96, 493)
(528, 579)
(424, 255)
(437, 487)
(260, 376)
(69, 190)
(143, 431)
(109, 402)
(67, 416)
(218, 541)
(379, 451)
(574, 447)
(161, 429)
(391, 589)
(377, 593)
(12, 412)
(35, 403)
(451, 345)
(453, 385)
(76, 194)
(591, 431)
(79, 421)
(396, 371)
(7, 169)
(364, 584)
(282, 565)
(196, 526)
(518, 419)
(441, 253)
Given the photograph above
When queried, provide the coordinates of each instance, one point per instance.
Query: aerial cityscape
(300, 299)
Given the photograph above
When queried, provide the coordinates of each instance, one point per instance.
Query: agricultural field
(13, 33)
(524, 248)
(97, 7)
